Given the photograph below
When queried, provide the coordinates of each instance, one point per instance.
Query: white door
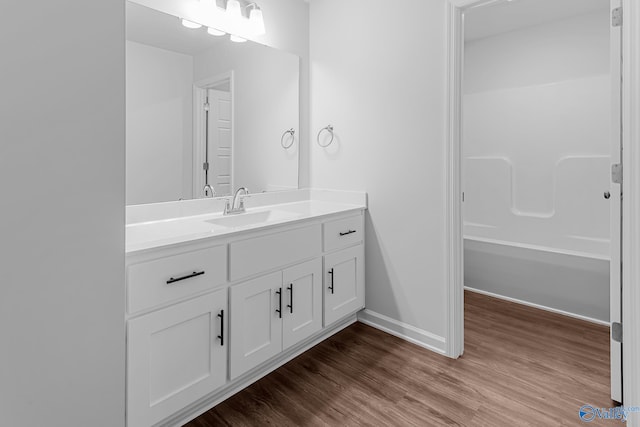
(175, 356)
(302, 316)
(615, 192)
(344, 283)
(257, 307)
(220, 141)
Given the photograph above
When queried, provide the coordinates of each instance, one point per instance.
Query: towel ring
(291, 132)
(329, 129)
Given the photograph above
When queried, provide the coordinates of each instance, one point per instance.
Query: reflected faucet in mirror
(208, 191)
(237, 205)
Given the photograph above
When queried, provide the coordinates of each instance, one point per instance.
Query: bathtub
(568, 282)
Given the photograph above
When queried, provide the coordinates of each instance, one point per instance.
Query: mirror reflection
(206, 115)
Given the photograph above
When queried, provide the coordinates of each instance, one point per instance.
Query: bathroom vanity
(215, 302)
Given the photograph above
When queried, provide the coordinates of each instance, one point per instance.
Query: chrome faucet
(208, 191)
(237, 206)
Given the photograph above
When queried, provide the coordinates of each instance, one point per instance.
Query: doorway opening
(539, 219)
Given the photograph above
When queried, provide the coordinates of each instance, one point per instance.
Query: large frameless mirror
(206, 114)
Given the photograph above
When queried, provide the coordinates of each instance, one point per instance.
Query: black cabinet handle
(331, 287)
(345, 233)
(188, 276)
(290, 306)
(279, 310)
(221, 336)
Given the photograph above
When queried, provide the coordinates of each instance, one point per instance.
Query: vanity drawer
(343, 232)
(152, 283)
(252, 256)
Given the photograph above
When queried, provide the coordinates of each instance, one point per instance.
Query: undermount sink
(251, 218)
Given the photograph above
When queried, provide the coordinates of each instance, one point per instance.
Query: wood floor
(521, 366)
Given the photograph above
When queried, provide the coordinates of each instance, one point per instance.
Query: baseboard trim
(538, 306)
(403, 330)
(239, 384)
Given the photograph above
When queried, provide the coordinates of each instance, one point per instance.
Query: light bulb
(215, 32)
(190, 24)
(256, 21)
(237, 39)
(233, 9)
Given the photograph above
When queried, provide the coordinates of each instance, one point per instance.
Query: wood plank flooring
(521, 366)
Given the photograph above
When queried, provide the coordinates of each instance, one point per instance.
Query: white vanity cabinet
(344, 283)
(208, 317)
(273, 312)
(302, 294)
(175, 356)
(256, 328)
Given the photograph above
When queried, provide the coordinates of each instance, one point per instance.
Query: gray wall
(62, 228)
(378, 75)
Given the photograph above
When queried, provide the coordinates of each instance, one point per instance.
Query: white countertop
(143, 236)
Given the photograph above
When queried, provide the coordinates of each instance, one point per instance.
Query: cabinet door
(344, 283)
(257, 307)
(302, 315)
(174, 357)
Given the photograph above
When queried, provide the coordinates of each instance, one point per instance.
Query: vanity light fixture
(215, 32)
(234, 10)
(255, 19)
(190, 24)
(237, 39)
(237, 22)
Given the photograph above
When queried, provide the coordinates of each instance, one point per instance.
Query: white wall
(159, 124)
(62, 185)
(536, 135)
(378, 76)
(265, 97)
(547, 53)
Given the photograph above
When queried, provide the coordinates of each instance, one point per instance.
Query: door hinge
(616, 17)
(205, 166)
(206, 106)
(616, 173)
(616, 332)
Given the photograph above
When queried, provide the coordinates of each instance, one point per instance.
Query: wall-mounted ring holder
(329, 129)
(291, 132)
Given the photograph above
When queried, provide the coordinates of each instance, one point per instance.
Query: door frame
(631, 189)
(200, 89)
(631, 206)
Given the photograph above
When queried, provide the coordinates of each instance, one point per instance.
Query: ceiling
(154, 28)
(150, 27)
(504, 16)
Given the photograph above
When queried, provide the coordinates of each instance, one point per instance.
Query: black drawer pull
(345, 233)
(331, 287)
(189, 276)
(290, 305)
(279, 310)
(221, 336)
